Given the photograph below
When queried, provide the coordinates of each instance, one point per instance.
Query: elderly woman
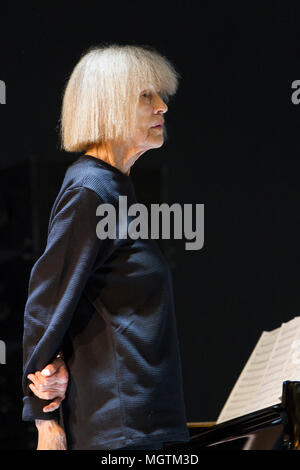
(105, 303)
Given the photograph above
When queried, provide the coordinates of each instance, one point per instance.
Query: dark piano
(274, 428)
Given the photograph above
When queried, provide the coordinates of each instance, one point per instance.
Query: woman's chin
(159, 141)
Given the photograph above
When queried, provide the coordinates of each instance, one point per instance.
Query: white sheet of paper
(250, 379)
(275, 358)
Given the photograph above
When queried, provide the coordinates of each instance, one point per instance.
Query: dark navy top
(108, 305)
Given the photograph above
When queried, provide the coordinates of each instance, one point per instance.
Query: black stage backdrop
(233, 144)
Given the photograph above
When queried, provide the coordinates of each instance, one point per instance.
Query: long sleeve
(56, 283)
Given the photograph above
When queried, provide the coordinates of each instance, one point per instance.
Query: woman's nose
(160, 106)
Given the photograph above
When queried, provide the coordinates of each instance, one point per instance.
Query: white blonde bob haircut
(102, 93)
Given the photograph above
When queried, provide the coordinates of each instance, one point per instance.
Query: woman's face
(149, 132)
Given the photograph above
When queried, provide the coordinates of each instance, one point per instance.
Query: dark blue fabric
(108, 305)
(154, 446)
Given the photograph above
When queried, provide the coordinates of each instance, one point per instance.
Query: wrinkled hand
(50, 383)
(51, 436)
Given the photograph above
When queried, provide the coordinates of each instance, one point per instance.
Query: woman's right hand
(51, 435)
(50, 383)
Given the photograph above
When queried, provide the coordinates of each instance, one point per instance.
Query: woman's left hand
(50, 383)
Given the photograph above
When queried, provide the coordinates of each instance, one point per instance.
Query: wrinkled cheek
(147, 134)
(141, 136)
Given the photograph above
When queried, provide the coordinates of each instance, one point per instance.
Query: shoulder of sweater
(86, 176)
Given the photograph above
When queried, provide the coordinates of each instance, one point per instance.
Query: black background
(233, 144)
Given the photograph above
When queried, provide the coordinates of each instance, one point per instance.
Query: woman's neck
(116, 156)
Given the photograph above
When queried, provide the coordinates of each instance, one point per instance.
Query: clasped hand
(50, 384)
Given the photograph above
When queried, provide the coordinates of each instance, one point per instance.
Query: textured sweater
(108, 305)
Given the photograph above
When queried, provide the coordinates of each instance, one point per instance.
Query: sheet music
(271, 387)
(275, 358)
(292, 366)
(250, 379)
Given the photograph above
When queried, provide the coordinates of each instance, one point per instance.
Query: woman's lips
(158, 126)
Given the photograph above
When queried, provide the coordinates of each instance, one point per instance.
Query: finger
(59, 379)
(35, 379)
(50, 369)
(45, 383)
(42, 382)
(48, 395)
(54, 405)
(35, 390)
(31, 377)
